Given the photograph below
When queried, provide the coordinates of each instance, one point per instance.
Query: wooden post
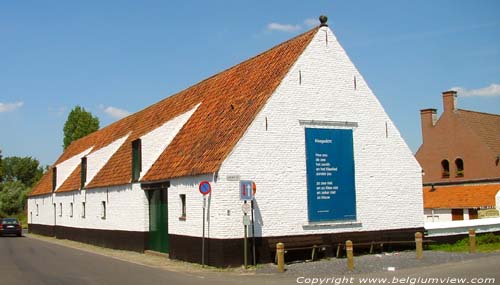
(350, 259)
(418, 245)
(472, 240)
(280, 251)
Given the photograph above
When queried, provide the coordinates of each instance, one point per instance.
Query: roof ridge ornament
(323, 19)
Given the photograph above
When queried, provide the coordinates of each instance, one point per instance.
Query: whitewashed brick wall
(388, 178)
(155, 142)
(126, 209)
(65, 168)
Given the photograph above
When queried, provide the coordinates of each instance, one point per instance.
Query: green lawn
(484, 243)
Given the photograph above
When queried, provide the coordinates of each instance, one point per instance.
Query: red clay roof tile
(460, 196)
(230, 100)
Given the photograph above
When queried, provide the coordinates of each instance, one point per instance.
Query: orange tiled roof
(229, 101)
(460, 196)
(44, 186)
(486, 126)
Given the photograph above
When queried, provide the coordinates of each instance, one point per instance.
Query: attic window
(83, 172)
(459, 164)
(136, 160)
(445, 169)
(54, 178)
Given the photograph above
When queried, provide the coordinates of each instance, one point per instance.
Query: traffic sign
(246, 190)
(205, 187)
(246, 220)
(246, 207)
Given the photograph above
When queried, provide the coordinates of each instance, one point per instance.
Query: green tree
(1, 168)
(26, 170)
(12, 197)
(79, 124)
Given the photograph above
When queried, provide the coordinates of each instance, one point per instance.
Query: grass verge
(484, 243)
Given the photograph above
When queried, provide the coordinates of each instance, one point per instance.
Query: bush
(12, 197)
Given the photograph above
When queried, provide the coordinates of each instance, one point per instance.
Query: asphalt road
(32, 261)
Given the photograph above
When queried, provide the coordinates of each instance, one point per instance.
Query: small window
(183, 207)
(83, 172)
(445, 169)
(459, 164)
(54, 178)
(37, 209)
(103, 210)
(83, 210)
(136, 160)
(71, 210)
(60, 210)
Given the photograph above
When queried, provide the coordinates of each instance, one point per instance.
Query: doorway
(158, 220)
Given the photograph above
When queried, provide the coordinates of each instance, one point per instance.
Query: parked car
(10, 226)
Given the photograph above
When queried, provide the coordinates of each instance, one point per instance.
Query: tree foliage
(17, 176)
(79, 124)
(13, 196)
(26, 170)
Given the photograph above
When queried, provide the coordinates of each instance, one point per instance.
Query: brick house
(298, 120)
(460, 157)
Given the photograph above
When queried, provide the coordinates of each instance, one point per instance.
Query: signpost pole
(205, 189)
(245, 245)
(203, 236)
(253, 237)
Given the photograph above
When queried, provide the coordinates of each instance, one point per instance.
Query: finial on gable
(323, 19)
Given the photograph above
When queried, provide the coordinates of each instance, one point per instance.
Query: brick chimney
(428, 118)
(449, 101)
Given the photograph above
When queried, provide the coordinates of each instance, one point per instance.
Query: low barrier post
(350, 258)
(472, 241)
(280, 252)
(418, 245)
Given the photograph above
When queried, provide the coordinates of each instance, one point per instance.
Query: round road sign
(205, 187)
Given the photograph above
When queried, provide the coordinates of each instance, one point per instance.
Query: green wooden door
(158, 220)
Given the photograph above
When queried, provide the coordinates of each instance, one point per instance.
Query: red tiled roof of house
(486, 126)
(44, 186)
(230, 100)
(460, 196)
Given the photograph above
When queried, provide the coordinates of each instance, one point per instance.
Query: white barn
(298, 120)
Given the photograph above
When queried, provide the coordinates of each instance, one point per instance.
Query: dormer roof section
(65, 168)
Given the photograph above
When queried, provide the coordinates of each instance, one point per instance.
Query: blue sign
(247, 189)
(330, 175)
(205, 187)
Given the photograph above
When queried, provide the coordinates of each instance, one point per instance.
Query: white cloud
(9, 107)
(311, 22)
(114, 112)
(489, 91)
(283, 27)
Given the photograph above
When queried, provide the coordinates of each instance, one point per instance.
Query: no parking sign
(205, 187)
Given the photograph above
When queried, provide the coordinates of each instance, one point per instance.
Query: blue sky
(117, 57)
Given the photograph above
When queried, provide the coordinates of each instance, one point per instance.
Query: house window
(136, 160)
(37, 209)
(83, 172)
(54, 178)
(445, 169)
(60, 209)
(183, 207)
(103, 210)
(459, 164)
(83, 210)
(71, 210)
